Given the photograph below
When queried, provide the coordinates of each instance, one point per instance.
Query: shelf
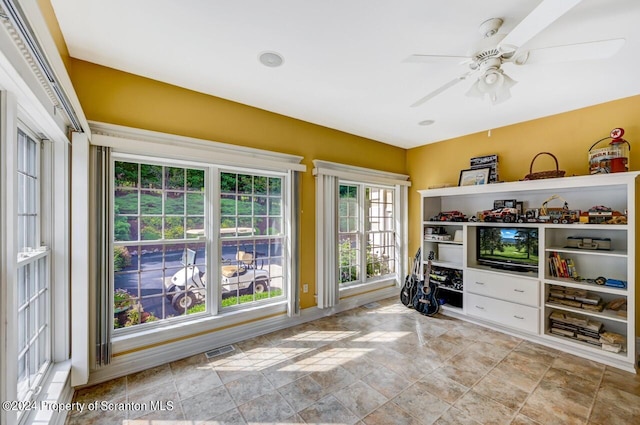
(447, 242)
(446, 288)
(595, 314)
(585, 345)
(570, 283)
(513, 291)
(602, 253)
(446, 264)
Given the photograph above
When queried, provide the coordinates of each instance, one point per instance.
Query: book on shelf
(561, 267)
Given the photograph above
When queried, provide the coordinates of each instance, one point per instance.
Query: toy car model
(530, 216)
(449, 216)
(506, 215)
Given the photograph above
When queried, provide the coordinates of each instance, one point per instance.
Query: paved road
(152, 275)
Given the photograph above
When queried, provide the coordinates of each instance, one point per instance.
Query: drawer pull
(519, 317)
(519, 290)
(479, 307)
(479, 283)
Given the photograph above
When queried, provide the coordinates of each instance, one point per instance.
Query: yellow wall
(116, 97)
(568, 136)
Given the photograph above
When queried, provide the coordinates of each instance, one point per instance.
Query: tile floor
(385, 365)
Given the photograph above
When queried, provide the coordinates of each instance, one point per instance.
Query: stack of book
(575, 327)
(561, 267)
(586, 330)
(578, 298)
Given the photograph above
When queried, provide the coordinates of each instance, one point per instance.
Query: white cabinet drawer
(503, 286)
(502, 312)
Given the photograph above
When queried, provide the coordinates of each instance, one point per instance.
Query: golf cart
(187, 286)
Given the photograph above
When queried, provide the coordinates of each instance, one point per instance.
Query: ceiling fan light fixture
(493, 83)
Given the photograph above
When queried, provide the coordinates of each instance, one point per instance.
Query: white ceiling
(344, 59)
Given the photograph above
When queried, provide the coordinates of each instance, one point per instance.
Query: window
(366, 233)
(159, 260)
(361, 230)
(163, 231)
(33, 276)
(252, 236)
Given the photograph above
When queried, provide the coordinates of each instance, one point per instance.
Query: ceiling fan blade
(573, 52)
(439, 90)
(535, 22)
(432, 58)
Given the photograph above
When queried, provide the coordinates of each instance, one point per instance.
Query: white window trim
(55, 227)
(134, 143)
(328, 175)
(141, 142)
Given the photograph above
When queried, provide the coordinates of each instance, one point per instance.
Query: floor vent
(371, 305)
(219, 351)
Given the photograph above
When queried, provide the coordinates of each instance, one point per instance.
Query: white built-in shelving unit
(518, 302)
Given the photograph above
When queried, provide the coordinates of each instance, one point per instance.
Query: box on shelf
(589, 243)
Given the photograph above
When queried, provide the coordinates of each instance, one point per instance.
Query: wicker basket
(544, 174)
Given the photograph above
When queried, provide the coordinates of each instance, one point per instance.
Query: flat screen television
(509, 248)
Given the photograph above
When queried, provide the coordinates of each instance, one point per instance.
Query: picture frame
(520, 207)
(474, 176)
(504, 203)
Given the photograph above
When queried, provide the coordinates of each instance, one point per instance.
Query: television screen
(508, 248)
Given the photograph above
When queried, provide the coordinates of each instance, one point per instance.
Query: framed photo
(520, 207)
(472, 177)
(504, 203)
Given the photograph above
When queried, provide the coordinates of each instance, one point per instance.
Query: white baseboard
(145, 359)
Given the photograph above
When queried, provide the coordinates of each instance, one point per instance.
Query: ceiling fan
(495, 49)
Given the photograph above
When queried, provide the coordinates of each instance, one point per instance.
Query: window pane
(252, 268)
(151, 281)
(150, 228)
(174, 203)
(151, 176)
(194, 227)
(22, 329)
(150, 202)
(260, 205)
(275, 186)
(174, 228)
(227, 204)
(126, 201)
(349, 255)
(195, 204)
(195, 180)
(22, 190)
(228, 182)
(348, 235)
(245, 183)
(274, 206)
(174, 178)
(260, 185)
(244, 205)
(32, 283)
(126, 174)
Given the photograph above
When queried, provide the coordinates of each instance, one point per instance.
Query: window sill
(56, 393)
(383, 282)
